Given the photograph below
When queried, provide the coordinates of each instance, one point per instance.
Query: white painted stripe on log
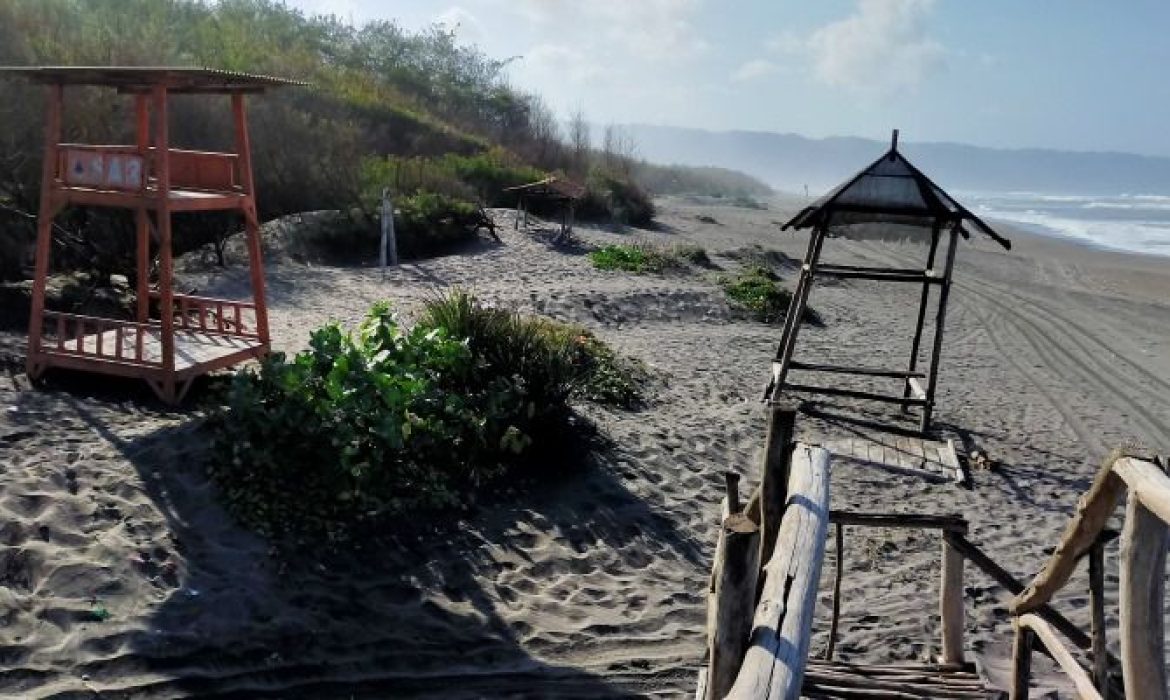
(781, 630)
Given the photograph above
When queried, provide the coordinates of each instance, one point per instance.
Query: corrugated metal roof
(143, 78)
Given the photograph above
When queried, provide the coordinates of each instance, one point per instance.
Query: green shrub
(757, 290)
(629, 257)
(389, 420)
(646, 257)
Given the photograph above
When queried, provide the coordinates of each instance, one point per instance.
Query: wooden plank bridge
(768, 559)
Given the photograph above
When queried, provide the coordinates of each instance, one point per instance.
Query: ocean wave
(1146, 236)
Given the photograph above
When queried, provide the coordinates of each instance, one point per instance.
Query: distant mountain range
(789, 162)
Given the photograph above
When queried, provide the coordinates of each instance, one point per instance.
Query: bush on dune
(757, 290)
(391, 419)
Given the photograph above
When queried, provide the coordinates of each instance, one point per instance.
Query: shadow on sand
(424, 612)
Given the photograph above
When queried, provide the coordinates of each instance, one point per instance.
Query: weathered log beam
(862, 371)
(781, 630)
(1093, 510)
(949, 523)
(850, 393)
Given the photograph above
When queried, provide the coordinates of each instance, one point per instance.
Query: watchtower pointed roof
(890, 190)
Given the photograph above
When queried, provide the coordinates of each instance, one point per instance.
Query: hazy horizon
(995, 74)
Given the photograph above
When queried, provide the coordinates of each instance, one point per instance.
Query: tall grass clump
(389, 419)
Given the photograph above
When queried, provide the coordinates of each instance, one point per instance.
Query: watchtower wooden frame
(889, 190)
(190, 335)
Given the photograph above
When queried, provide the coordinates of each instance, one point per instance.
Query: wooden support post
(141, 217)
(796, 309)
(939, 324)
(922, 304)
(251, 216)
(774, 476)
(45, 216)
(1143, 574)
(519, 208)
(732, 603)
(838, 574)
(731, 481)
(951, 611)
(1021, 661)
(166, 268)
(1097, 609)
(774, 664)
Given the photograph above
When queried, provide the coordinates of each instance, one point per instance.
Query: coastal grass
(390, 419)
(756, 290)
(642, 257)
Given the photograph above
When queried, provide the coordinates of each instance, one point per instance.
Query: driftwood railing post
(774, 476)
(781, 630)
(1097, 609)
(732, 594)
(951, 612)
(1143, 568)
(1021, 661)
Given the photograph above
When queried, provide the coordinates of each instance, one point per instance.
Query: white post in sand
(388, 239)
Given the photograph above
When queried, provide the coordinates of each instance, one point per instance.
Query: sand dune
(593, 587)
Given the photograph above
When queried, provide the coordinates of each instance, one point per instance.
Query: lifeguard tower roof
(141, 79)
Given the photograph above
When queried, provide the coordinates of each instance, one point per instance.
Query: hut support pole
(939, 324)
(922, 304)
(251, 217)
(166, 271)
(45, 218)
(796, 307)
(141, 217)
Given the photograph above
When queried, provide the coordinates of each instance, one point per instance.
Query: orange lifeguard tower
(191, 335)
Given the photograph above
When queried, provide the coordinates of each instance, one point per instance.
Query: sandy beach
(122, 577)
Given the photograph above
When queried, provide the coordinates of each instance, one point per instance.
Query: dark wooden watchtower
(888, 191)
(189, 335)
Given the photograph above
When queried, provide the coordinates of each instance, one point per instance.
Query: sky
(1067, 74)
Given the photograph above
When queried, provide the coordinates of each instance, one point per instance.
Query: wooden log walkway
(930, 459)
(835, 680)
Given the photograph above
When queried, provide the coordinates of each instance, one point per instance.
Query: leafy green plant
(757, 290)
(391, 419)
(628, 257)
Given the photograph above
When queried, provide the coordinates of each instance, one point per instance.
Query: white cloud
(654, 30)
(557, 62)
(754, 69)
(882, 48)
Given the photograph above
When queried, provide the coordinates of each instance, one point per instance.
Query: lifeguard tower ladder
(191, 335)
